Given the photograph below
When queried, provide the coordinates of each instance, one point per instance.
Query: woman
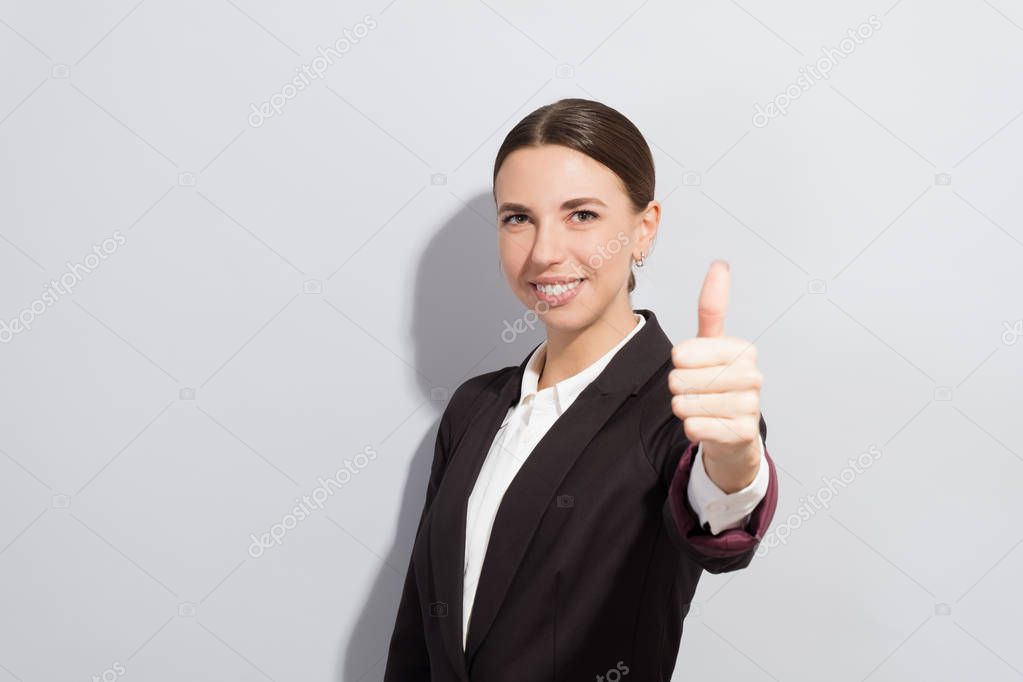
(575, 499)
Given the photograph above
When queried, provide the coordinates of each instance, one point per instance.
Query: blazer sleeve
(672, 455)
(407, 656)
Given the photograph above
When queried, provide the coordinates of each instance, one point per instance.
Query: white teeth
(557, 289)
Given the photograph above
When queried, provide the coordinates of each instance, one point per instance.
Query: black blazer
(595, 552)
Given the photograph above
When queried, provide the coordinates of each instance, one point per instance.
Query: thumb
(714, 299)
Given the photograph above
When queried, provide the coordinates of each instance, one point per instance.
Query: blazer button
(565, 501)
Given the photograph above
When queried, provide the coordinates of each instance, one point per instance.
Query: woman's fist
(715, 389)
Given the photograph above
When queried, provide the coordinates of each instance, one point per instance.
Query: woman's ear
(650, 221)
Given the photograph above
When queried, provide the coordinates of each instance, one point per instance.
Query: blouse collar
(564, 393)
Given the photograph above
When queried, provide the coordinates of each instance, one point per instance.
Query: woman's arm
(715, 395)
(408, 659)
(672, 455)
(732, 549)
(717, 509)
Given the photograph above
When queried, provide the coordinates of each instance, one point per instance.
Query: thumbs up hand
(715, 389)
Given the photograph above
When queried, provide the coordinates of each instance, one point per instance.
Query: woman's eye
(510, 219)
(591, 214)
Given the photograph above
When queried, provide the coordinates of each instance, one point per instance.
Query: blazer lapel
(530, 492)
(529, 496)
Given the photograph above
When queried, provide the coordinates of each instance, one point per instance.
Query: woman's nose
(549, 244)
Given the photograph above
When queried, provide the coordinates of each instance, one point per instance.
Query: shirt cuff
(717, 509)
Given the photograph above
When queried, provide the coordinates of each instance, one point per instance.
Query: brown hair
(594, 129)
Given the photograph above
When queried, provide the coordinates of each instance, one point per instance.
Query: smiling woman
(569, 512)
(605, 143)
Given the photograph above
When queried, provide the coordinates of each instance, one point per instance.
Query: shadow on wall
(463, 319)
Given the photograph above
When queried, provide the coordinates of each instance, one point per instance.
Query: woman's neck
(568, 353)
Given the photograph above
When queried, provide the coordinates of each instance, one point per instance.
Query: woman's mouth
(557, 294)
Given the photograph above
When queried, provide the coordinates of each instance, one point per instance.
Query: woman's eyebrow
(568, 204)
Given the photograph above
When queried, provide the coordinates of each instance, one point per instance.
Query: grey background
(291, 294)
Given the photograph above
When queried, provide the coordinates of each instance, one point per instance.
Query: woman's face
(565, 218)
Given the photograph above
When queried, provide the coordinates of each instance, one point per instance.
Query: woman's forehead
(545, 177)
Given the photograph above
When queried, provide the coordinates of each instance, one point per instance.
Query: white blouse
(526, 423)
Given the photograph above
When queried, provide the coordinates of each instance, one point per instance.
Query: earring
(639, 261)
